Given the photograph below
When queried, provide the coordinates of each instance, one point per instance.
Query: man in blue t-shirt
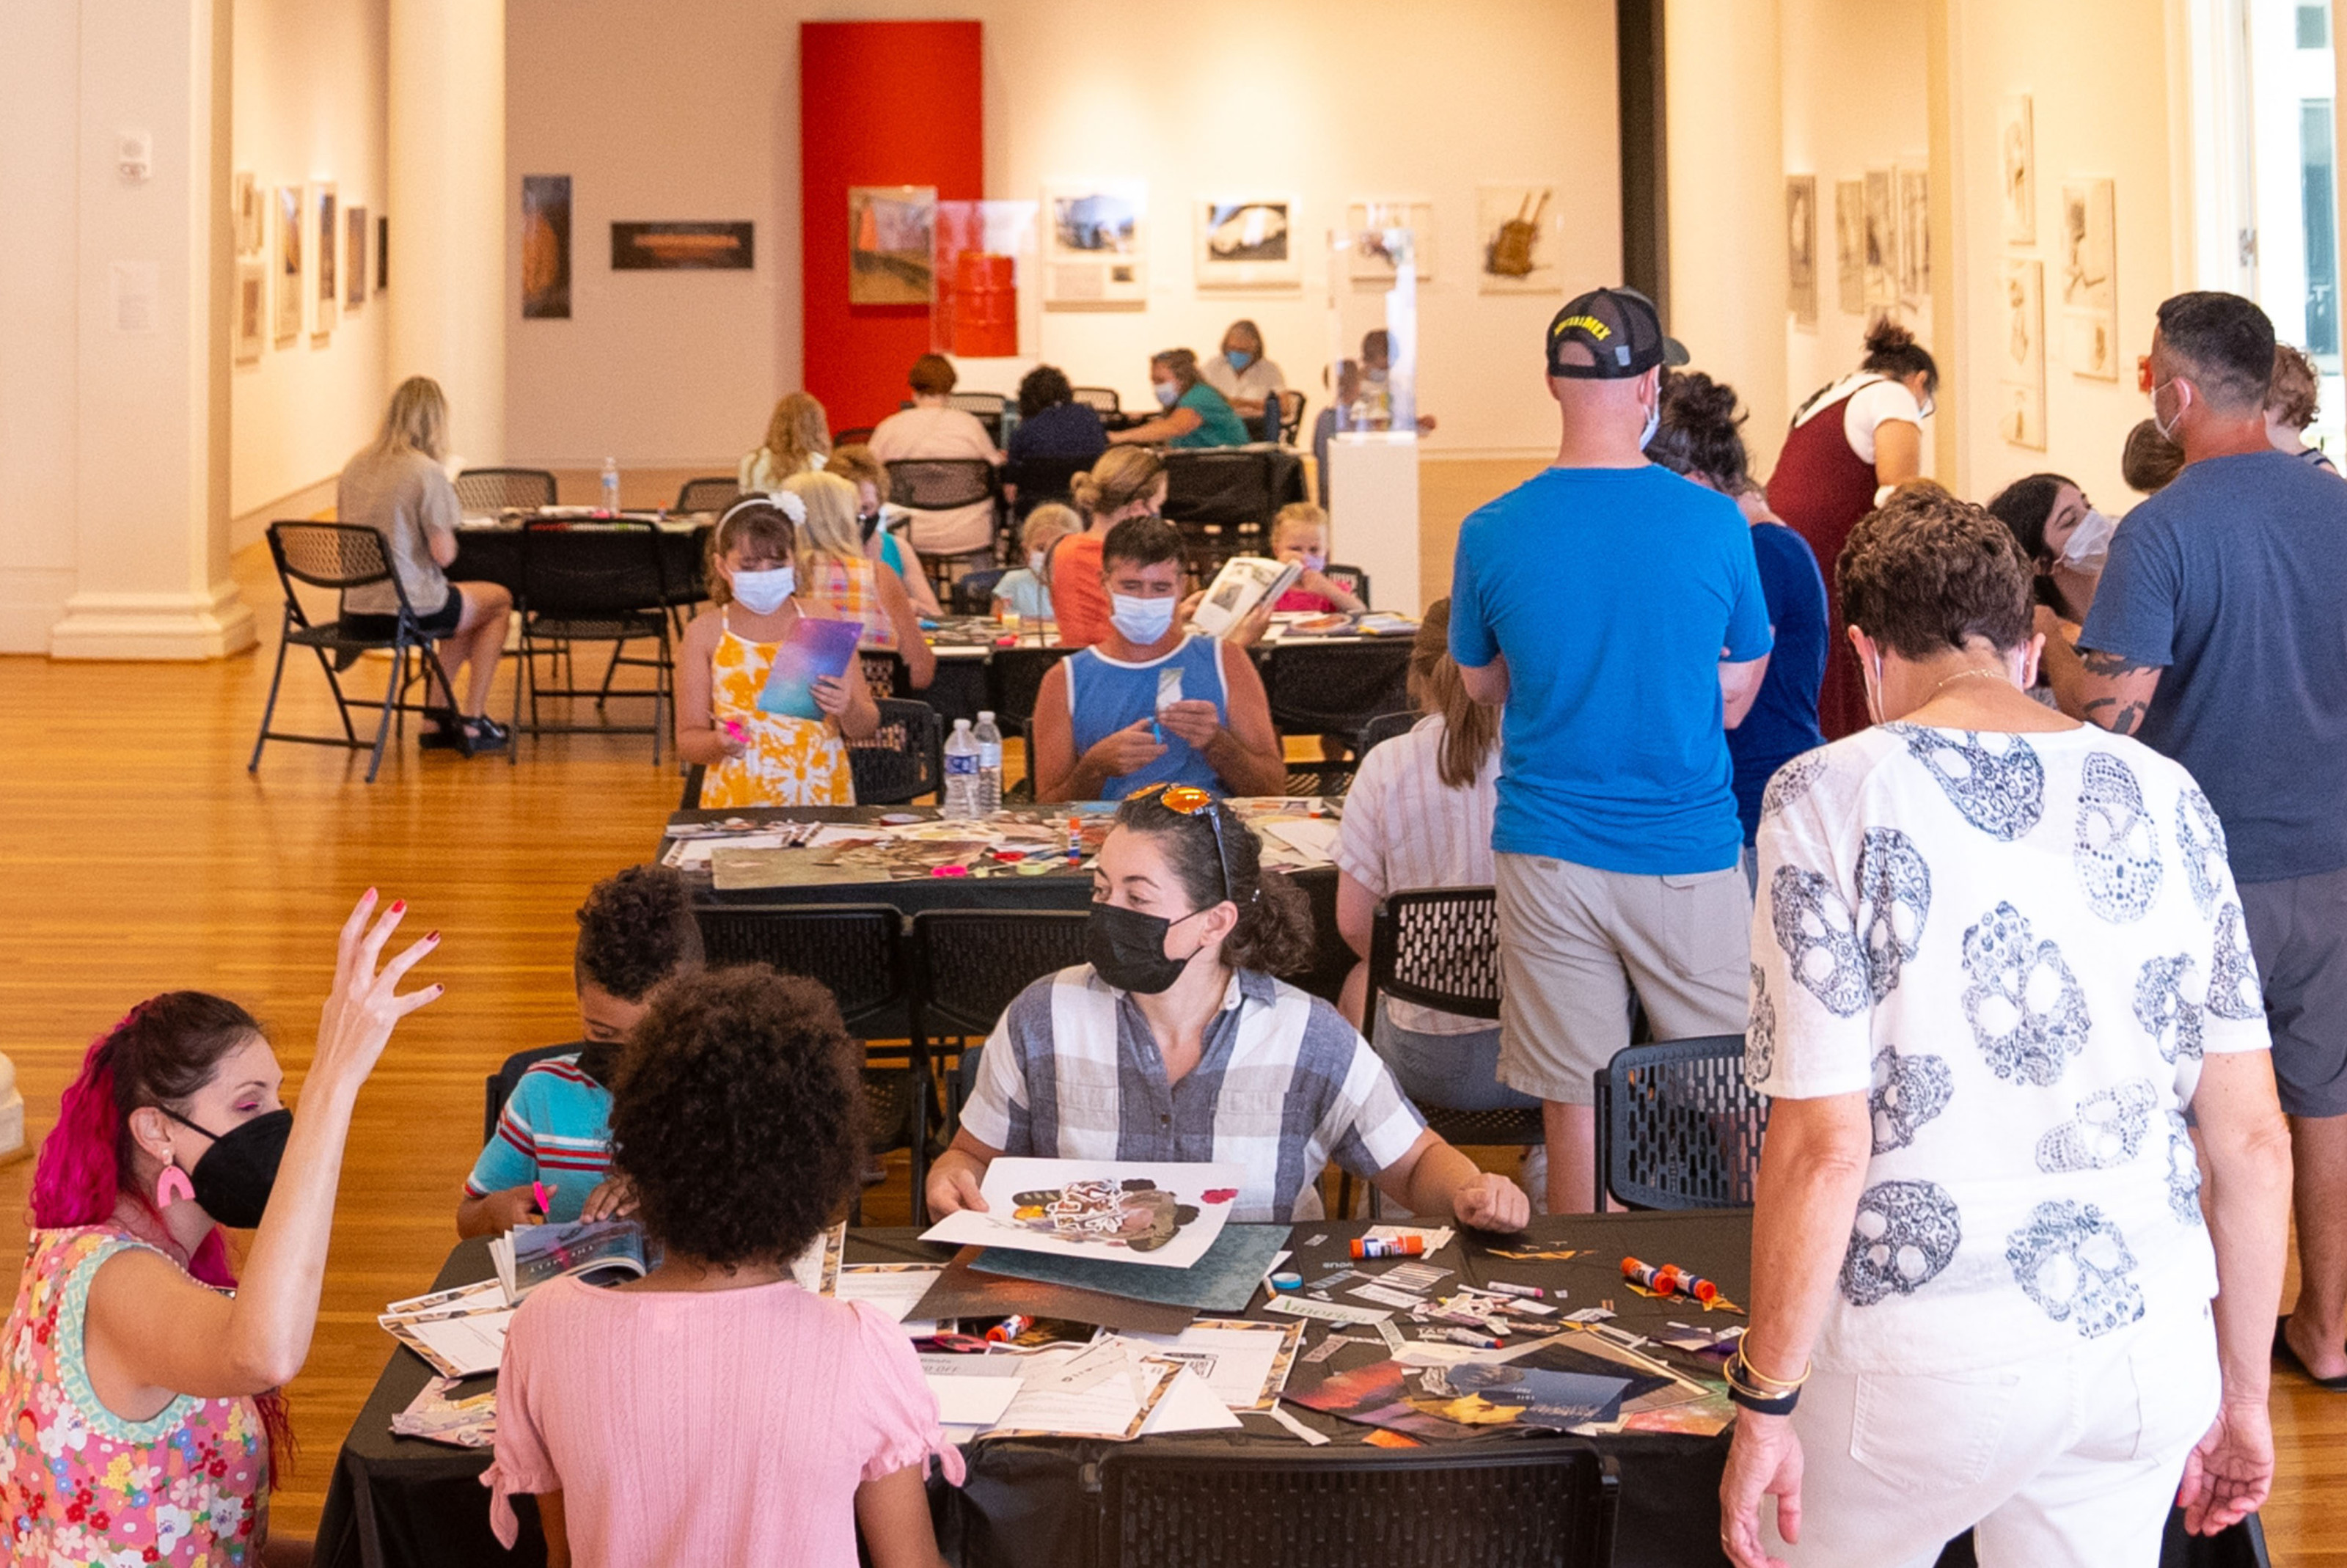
(2218, 636)
(1616, 610)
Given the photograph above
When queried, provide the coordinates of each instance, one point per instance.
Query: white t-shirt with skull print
(2018, 947)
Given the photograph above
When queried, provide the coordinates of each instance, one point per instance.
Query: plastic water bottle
(961, 774)
(612, 486)
(990, 764)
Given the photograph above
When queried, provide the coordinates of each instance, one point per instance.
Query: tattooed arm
(2107, 689)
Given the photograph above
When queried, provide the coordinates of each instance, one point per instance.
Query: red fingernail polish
(432, 936)
(399, 907)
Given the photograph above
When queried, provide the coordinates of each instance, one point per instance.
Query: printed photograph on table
(1850, 246)
(251, 309)
(1095, 244)
(1881, 238)
(354, 259)
(1518, 232)
(1371, 261)
(638, 246)
(1246, 242)
(2016, 143)
(329, 240)
(891, 244)
(1914, 198)
(247, 210)
(1801, 247)
(2089, 263)
(291, 275)
(545, 247)
(1161, 1213)
(2021, 373)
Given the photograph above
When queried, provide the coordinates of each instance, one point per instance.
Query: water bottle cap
(986, 716)
(961, 724)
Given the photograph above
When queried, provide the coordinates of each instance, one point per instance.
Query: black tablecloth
(494, 555)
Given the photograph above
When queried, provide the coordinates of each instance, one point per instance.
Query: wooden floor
(137, 856)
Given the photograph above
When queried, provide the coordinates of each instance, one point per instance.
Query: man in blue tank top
(1150, 703)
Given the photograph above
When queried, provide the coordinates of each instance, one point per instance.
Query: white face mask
(1314, 561)
(2166, 429)
(2090, 542)
(1035, 561)
(1140, 621)
(1653, 423)
(764, 593)
(1167, 392)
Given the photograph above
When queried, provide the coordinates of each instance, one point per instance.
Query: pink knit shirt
(728, 1426)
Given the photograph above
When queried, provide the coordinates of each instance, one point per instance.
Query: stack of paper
(896, 1288)
(1115, 1389)
(437, 1415)
(459, 1332)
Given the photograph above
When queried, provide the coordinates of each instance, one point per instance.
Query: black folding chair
(1335, 688)
(1041, 479)
(340, 557)
(1384, 728)
(1677, 1128)
(884, 674)
(600, 583)
(857, 951)
(499, 1087)
(1101, 398)
(1352, 579)
(711, 494)
(905, 758)
(1291, 417)
(487, 492)
(1340, 1507)
(691, 800)
(1014, 677)
(1222, 501)
(973, 591)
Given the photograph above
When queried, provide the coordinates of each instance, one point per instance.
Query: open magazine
(1243, 583)
(603, 1252)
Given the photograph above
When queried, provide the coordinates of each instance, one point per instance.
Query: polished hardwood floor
(137, 855)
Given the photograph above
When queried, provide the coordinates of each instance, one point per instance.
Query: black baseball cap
(1620, 329)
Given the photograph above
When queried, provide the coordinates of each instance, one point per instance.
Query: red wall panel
(880, 103)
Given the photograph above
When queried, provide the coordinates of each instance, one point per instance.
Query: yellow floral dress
(791, 761)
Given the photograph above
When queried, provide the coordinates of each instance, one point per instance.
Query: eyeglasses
(1190, 801)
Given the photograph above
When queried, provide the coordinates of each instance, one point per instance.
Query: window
(2317, 202)
(2314, 25)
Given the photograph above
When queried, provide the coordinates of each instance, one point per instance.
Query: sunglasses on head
(1189, 800)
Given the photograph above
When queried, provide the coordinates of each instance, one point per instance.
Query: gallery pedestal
(1373, 513)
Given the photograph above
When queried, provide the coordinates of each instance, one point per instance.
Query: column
(151, 296)
(1724, 125)
(447, 206)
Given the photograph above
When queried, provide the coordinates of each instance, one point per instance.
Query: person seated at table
(145, 1382)
(962, 536)
(753, 757)
(1241, 373)
(713, 1411)
(836, 573)
(882, 524)
(1195, 414)
(635, 930)
(1185, 1047)
(798, 439)
(1127, 482)
(1026, 591)
(1300, 534)
(1152, 702)
(1372, 392)
(1052, 422)
(396, 487)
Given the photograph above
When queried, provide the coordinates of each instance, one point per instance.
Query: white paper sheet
(966, 1401)
(1189, 1406)
(1243, 1365)
(692, 854)
(1164, 1215)
(1312, 837)
(467, 1345)
(894, 1289)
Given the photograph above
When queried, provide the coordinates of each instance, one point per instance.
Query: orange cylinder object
(985, 305)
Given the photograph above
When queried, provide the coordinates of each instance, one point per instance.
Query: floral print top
(82, 1485)
(791, 761)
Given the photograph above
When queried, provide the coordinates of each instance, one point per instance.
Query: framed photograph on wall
(545, 247)
(892, 244)
(248, 205)
(291, 277)
(1850, 246)
(1370, 263)
(2021, 368)
(1914, 198)
(1518, 231)
(689, 247)
(1095, 245)
(328, 239)
(2090, 291)
(381, 253)
(2017, 150)
(1881, 238)
(354, 259)
(251, 308)
(1247, 243)
(1801, 248)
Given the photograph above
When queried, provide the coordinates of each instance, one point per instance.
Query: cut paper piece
(1189, 1406)
(1245, 1363)
(968, 1402)
(1316, 1438)
(1328, 1311)
(456, 1347)
(1224, 1279)
(962, 1292)
(1161, 1214)
(896, 1288)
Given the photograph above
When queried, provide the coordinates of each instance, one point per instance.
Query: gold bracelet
(1760, 1381)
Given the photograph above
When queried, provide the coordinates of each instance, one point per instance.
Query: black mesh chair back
(1353, 581)
(973, 591)
(1444, 1507)
(335, 556)
(1384, 727)
(935, 484)
(485, 492)
(1291, 416)
(500, 1085)
(1677, 1128)
(884, 674)
(1041, 479)
(854, 435)
(1014, 677)
(711, 494)
(1101, 398)
(967, 964)
(1223, 487)
(979, 403)
(602, 572)
(905, 758)
(1336, 689)
(855, 950)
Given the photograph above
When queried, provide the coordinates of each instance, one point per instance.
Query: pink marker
(737, 731)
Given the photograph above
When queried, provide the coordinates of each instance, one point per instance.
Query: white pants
(2070, 1459)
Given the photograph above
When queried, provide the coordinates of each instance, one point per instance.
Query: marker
(1470, 1338)
(1534, 1291)
(1009, 1328)
(545, 1202)
(1398, 1246)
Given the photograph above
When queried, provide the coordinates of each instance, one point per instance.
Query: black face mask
(870, 523)
(234, 1179)
(1127, 948)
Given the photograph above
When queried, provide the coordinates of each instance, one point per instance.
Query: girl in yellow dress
(755, 757)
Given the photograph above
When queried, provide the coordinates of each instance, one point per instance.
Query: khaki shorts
(1577, 943)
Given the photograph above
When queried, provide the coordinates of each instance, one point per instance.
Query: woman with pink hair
(145, 1385)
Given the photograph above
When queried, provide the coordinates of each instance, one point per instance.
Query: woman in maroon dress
(1849, 444)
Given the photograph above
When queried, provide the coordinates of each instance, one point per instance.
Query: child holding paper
(755, 757)
(551, 1153)
(713, 1411)
(1300, 534)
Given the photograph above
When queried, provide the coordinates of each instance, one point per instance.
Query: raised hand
(367, 1003)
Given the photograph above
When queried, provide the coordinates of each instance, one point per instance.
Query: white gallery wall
(691, 112)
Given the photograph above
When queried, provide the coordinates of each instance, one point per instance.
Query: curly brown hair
(1927, 572)
(2295, 394)
(738, 1115)
(636, 929)
(1274, 929)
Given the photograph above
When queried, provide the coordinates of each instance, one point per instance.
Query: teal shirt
(1220, 426)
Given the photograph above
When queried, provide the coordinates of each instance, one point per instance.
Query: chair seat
(332, 635)
(1485, 1129)
(595, 628)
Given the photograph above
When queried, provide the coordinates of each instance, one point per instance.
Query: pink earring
(173, 1188)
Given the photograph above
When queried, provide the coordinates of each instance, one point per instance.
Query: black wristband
(1781, 1405)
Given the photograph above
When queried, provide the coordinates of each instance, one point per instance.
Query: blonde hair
(417, 421)
(1294, 519)
(1122, 476)
(830, 531)
(797, 432)
(1045, 524)
(856, 464)
(760, 528)
(1470, 730)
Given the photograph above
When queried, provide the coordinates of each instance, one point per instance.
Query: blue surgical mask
(1240, 359)
(1139, 621)
(764, 593)
(1167, 392)
(1314, 561)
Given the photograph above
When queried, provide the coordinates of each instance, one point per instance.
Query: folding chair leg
(919, 1071)
(390, 703)
(269, 711)
(610, 671)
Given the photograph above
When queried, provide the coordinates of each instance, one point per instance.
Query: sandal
(2290, 1358)
(446, 734)
(484, 734)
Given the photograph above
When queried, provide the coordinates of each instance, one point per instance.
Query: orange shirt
(1079, 602)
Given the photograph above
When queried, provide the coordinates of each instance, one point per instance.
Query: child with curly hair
(713, 1411)
(635, 930)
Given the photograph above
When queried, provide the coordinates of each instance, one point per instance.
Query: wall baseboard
(154, 626)
(251, 528)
